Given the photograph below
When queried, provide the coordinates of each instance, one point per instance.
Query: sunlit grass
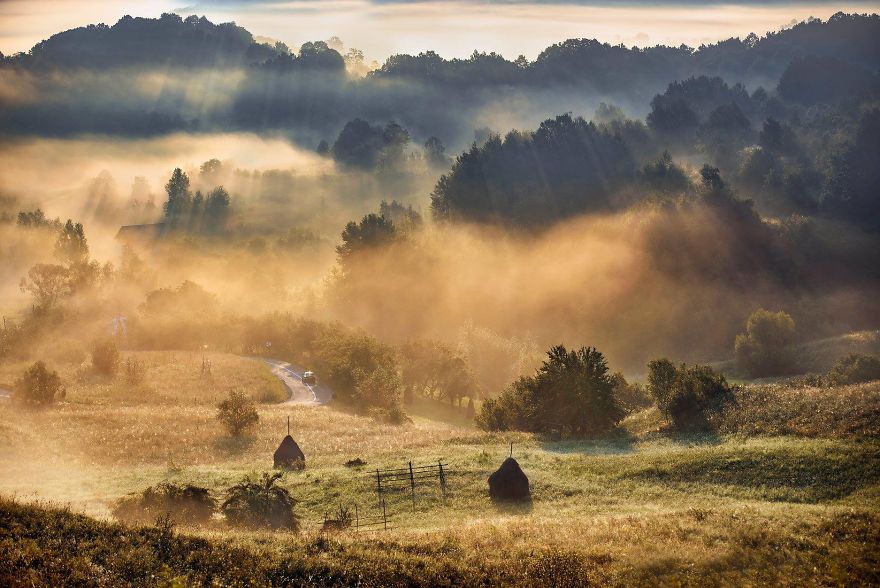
(643, 506)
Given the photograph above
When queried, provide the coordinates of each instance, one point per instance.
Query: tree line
(309, 92)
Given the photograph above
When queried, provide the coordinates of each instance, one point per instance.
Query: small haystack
(289, 456)
(509, 483)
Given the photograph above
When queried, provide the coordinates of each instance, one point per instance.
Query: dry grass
(821, 355)
(773, 409)
(723, 546)
(639, 509)
(172, 378)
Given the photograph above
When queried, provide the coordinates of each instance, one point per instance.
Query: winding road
(300, 392)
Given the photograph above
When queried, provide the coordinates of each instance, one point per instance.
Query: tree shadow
(692, 437)
(774, 476)
(696, 427)
(619, 442)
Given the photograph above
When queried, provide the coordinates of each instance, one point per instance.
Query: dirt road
(300, 392)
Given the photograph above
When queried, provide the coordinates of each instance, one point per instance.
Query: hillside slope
(53, 547)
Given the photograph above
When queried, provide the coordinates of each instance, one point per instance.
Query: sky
(452, 28)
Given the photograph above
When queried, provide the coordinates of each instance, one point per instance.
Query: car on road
(309, 378)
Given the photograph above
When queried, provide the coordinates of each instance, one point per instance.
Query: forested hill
(851, 38)
(195, 41)
(307, 95)
(168, 40)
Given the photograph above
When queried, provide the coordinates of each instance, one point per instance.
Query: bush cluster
(38, 386)
(105, 357)
(260, 503)
(238, 413)
(765, 349)
(251, 503)
(361, 371)
(631, 396)
(687, 395)
(572, 394)
(855, 368)
(184, 503)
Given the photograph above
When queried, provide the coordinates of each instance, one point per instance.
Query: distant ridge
(169, 40)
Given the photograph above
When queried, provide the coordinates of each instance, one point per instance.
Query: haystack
(289, 456)
(509, 482)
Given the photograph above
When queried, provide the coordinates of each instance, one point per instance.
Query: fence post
(379, 486)
(442, 478)
(412, 482)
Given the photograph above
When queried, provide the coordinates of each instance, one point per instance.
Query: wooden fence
(380, 522)
(398, 480)
(358, 521)
(410, 481)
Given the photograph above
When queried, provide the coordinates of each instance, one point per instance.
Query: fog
(106, 183)
(639, 283)
(640, 261)
(306, 108)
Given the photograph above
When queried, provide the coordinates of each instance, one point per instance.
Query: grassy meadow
(786, 492)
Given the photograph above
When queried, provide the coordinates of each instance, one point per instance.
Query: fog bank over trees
(153, 76)
(644, 201)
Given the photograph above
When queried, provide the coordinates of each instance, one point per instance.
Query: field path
(300, 392)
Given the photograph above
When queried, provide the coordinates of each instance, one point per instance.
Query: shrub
(182, 502)
(38, 386)
(260, 503)
(854, 368)
(629, 396)
(765, 349)
(493, 415)
(686, 395)
(134, 371)
(571, 394)
(238, 413)
(105, 357)
(661, 379)
(393, 416)
(379, 389)
(342, 520)
(361, 371)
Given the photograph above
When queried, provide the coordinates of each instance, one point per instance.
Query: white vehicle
(309, 378)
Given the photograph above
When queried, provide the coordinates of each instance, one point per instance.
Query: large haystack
(509, 482)
(289, 456)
